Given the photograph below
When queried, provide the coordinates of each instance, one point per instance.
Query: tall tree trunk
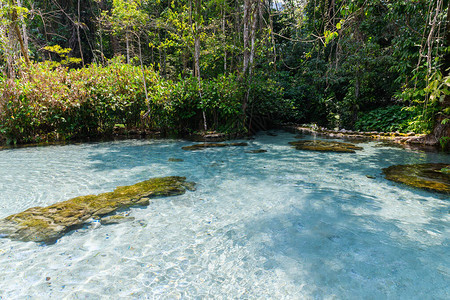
(78, 33)
(16, 34)
(24, 27)
(10, 51)
(249, 55)
(224, 41)
(272, 37)
(197, 58)
(253, 37)
(246, 21)
(127, 41)
(147, 101)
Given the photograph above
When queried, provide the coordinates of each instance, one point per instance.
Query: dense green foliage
(388, 119)
(71, 103)
(371, 55)
(221, 65)
(48, 103)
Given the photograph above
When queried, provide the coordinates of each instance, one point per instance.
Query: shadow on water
(337, 243)
(117, 156)
(155, 156)
(333, 242)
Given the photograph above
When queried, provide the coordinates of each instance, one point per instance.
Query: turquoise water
(285, 224)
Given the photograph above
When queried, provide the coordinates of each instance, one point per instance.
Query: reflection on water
(281, 224)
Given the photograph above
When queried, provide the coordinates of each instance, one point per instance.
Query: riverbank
(120, 133)
(406, 140)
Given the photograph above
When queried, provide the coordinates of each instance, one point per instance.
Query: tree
(11, 14)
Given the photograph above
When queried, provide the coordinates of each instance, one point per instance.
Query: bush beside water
(57, 103)
(60, 103)
(388, 119)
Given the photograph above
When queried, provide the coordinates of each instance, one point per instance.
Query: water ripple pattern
(285, 224)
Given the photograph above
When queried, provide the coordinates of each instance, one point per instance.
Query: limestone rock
(211, 145)
(431, 177)
(47, 224)
(115, 219)
(203, 146)
(256, 151)
(326, 146)
(172, 159)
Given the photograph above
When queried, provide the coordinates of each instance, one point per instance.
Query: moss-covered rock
(172, 159)
(326, 146)
(424, 176)
(211, 145)
(47, 224)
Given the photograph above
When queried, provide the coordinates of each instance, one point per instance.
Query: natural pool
(285, 224)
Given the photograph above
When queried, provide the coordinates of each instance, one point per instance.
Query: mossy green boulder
(325, 146)
(424, 176)
(47, 224)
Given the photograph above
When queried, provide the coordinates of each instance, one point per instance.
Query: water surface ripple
(284, 224)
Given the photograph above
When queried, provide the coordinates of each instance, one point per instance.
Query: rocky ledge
(47, 224)
(325, 146)
(356, 135)
(432, 177)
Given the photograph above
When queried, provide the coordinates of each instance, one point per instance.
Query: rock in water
(47, 224)
(325, 146)
(115, 219)
(173, 159)
(431, 177)
(256, 151)
(212, 145)
(203, 146)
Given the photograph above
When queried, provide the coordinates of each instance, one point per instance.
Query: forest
(85, 68)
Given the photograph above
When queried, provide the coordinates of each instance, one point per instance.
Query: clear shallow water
(285, 224)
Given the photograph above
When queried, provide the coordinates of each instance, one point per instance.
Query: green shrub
(49, 103)
(267, 99)
(178, 105)
(388, 119)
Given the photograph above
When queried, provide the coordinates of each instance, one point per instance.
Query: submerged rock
(211, 145)
(172, 159)
(47, 224)
(256, 151)
(203, 146)
(326, 146)
(115, 219)
(425, 176)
